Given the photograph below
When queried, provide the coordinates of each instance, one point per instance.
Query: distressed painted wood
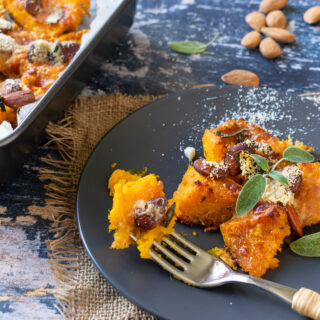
(144, 64)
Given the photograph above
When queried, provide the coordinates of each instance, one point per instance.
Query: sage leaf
(224, 135)
(250, 194)
(190, 47)
(295, 154)
(276, 175)
(261, 162)
(307, 246)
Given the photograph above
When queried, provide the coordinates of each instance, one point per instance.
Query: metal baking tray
(113, 23)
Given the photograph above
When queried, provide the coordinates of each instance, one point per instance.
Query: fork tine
(180, 250)
(166, 265)
(170, 255)
(186, 242)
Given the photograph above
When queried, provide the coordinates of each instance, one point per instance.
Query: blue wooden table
(144, 64)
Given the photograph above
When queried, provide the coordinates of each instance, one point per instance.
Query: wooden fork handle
(307, 303)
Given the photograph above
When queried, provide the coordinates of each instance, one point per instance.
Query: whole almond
(18, 99)
(269, 48)
(241, 77)
(251, 40)
(256, 20)
(278, 34)
(270, 5)
(312, 15)
(276, 19)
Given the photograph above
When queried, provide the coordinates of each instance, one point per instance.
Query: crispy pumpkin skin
(308, 196)
(127, 191)
(73, 13)
(255, 238)
(215, 147)
(208, 202)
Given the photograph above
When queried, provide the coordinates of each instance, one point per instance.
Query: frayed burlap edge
(80, 298)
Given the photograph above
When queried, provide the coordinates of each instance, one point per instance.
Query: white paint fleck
(122, 71)
(296, 66)
(18, 256)
(291, 26)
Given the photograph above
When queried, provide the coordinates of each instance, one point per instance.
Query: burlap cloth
(83, 292)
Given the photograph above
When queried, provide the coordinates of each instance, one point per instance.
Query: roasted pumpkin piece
(208, 202)
(308, 196)
(255, 238)
(130, 200)
(40, 79)
(48, 18)
(215, 147)
(8, 115)
(120, 176)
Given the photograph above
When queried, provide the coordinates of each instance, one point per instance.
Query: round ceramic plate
(155, 136)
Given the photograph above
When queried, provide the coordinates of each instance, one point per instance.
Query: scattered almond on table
(276, 19)
(241, 77)
(251, 40)
(312, 15)
(270, 48)
(272, 26)
(270, 5)
(278, 34)
(256, 20)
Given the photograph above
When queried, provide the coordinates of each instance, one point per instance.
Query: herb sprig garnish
(225, 135)
(191, 47)
(253, 190)
(307, 246)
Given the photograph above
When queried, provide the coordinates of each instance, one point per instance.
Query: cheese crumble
(277, 192)
(190, 152)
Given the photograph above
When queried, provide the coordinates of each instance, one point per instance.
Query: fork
(193, 265)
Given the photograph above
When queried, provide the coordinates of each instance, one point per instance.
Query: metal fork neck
(284, 292)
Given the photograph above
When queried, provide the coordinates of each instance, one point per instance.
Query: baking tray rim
(65, 75)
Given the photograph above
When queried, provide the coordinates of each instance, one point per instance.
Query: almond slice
(251, 40)
(241, 77)
(278, 34)
(276, 19)
(312, 15)
(256, 20)
(269, 48)
(270, 5)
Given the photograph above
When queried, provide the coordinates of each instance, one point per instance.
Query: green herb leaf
(307, 246)
(295, 154)
(261, 162)
(224, 135)
(250, 194)
(190, 47)
(276, 175)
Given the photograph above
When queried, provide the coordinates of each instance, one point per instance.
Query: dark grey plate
(157, 135)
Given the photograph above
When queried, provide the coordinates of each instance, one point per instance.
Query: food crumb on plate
(190, 152)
